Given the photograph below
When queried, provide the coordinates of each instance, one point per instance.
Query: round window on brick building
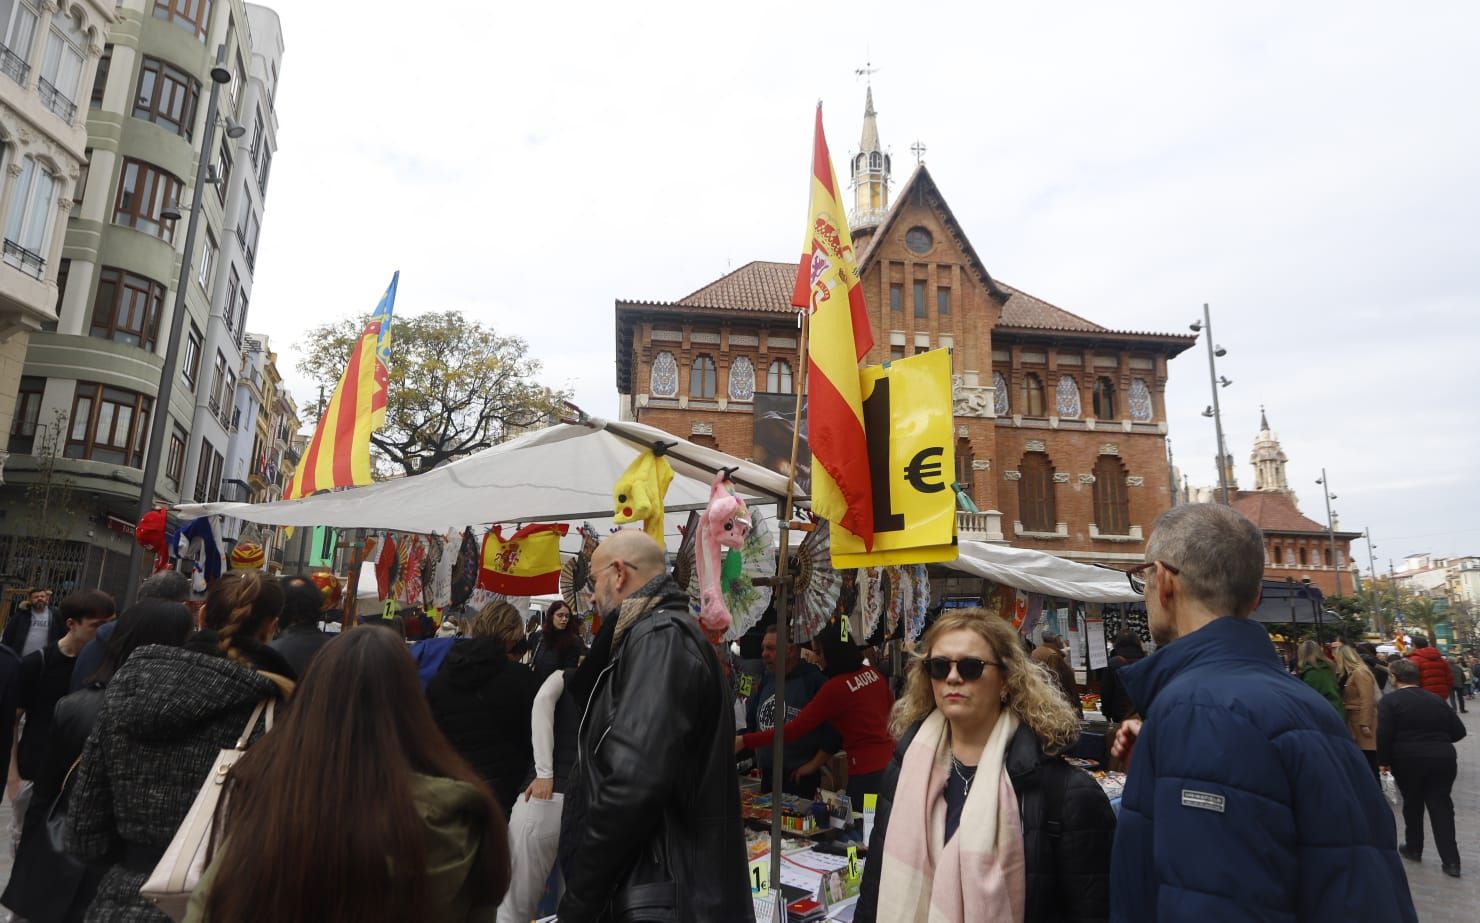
(918, 240)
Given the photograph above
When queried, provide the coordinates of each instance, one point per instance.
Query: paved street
(1440, 899)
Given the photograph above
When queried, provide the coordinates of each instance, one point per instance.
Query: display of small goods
(1090, 701)
(758, 843)
(1112, 782)
(798, 815)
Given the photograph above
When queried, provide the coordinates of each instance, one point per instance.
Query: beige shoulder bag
(177, 873)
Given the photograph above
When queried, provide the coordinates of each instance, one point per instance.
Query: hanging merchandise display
(152, 534)
(197, 544)
(640, 491)
(465, 569)
(683, 559)
(746, 601)
(907, 407)
(919, 602)
(873, 594)
(386, 567)
(722, 532)
(416, 555)
(818, 586)
(440, 590)
(526, 563)
(403, 560)
(575, 573)
(901, 598)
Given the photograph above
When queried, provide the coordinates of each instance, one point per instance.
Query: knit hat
(247, 556)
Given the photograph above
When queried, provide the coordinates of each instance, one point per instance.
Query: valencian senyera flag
(526, 563)
(828, 288)
(338, 455)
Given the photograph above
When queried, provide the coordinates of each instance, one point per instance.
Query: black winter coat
(1068, 870)
(482, 701)
(1115, 702)
(166, 715)
(657, 817)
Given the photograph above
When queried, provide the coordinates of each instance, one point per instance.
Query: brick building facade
(1060, 422)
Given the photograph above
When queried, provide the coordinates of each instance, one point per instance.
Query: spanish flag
(527, 563)
(338, 455)
(828, 288)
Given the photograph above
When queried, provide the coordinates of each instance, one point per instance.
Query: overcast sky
(1310, 170)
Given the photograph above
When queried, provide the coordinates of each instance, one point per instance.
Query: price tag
(853, 871)
(843, 627)
(747, 685)
(760, 876)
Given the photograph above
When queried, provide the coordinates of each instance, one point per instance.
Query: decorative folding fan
(683, 561)
(872, 592)
(919, 602)
(575, 573)
(817, 584)
(747, 601)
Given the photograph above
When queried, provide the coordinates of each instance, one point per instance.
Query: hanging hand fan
(747, 601)
(575, 573)
(684, 564)
(901, 598)
(873, 592)
(918, 603)
(817, 584)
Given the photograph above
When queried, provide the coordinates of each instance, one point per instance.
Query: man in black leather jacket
(661, 836)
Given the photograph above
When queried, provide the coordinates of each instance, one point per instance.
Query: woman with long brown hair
(1359, 695)
(979, 818)
(166, 714)
(356, 807)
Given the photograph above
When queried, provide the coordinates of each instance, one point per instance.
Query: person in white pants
(534, 824)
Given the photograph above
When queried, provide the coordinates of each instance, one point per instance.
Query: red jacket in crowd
(1433, 671)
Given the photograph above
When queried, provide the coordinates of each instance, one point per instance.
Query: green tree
(456, 386)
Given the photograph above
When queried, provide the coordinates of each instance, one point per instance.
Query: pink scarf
(980, 874)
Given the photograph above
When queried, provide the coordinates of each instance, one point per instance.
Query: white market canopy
(1043, 573)
(562, 473)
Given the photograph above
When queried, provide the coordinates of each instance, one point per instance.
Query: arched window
(1035, 493)
(1303, 558)
(1140, 401)
(1112, 509)
(1032, 395)
(702, 378)
(1001, 402)
(778, 377)
(1104, 399)
(876, 161)
(1279, 559)
(664, 377)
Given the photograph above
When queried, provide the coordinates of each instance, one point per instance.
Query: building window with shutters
(1032, 395)
(1104, 399)
(1112, 508)
(778, 377)
(964, 460)
(702, 379)
(1036, 493)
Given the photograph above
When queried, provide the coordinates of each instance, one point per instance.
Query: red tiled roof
(759, 285)
(1023, 310)
(1274, 511)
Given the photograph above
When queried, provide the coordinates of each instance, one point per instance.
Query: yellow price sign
(853, 870)
(907, 415)
(760, 876)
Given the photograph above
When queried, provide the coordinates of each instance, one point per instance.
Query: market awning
(563, 472)
(1282, 603)
(1041, 572)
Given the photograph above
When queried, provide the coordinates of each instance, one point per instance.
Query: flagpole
(783, 611)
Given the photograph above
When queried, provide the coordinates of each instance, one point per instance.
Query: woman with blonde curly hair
(979, 817)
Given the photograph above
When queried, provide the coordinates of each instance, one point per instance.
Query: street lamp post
(1372, 571)
(159, 422)
(1214, 410)
(1330, 526)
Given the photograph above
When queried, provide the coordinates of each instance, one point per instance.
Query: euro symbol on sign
(920, 470)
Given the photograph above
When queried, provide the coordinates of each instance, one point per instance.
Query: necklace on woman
(959, 769)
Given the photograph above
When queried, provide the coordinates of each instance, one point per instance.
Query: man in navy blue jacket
(1246, 798)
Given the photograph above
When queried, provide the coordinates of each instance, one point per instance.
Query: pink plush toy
(725, 524)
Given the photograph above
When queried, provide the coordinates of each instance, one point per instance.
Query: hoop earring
(1004, 698)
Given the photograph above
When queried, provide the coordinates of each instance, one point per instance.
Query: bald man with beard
(657, 832)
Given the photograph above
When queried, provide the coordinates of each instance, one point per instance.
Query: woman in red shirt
(856, 700)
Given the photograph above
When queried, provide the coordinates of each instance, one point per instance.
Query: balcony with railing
(984, 526)
(31, 263)
(14, 66)
(56, 100)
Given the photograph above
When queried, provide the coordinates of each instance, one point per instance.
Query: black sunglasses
(1138, 583)
(970, 668)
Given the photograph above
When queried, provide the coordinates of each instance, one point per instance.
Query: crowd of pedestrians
(500, 771)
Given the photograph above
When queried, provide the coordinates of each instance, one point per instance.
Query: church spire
(870, 171)
(1268, 458)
